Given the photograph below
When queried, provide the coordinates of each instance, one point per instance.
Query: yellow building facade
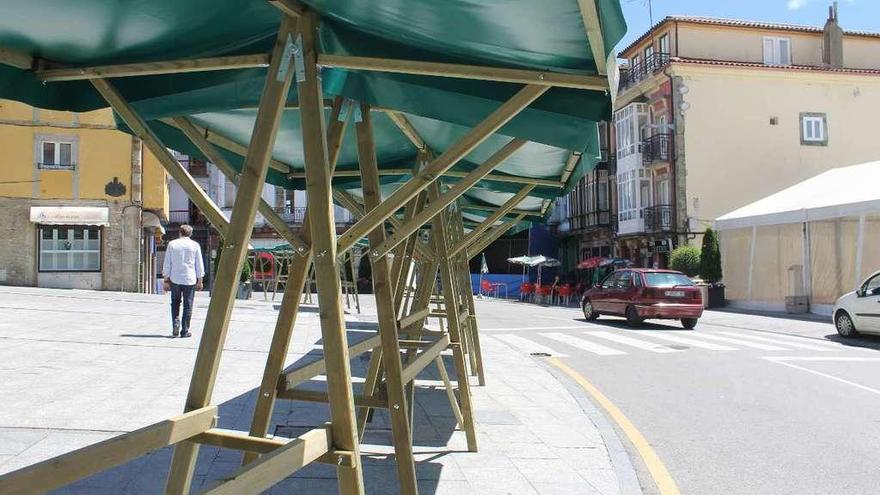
(82, 202)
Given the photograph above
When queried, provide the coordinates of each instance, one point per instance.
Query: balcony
(590, 220)
(658, 218)
(643, 70)
(291, 215)
(657, 148)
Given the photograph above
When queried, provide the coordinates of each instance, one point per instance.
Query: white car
(859, 311)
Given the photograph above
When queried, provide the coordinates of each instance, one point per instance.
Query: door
(599, 296)
(867, 306)
(620, 296)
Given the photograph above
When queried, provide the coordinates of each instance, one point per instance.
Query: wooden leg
(384, 290)
(447, 277)
(323, 230)
(244, 210)
(450, 392)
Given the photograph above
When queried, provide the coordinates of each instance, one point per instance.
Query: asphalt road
(743, 404)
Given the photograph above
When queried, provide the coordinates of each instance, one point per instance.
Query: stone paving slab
(78, 367)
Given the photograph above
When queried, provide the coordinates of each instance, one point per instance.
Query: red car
(641, 293)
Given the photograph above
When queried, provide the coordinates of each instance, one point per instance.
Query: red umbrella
(590, 263)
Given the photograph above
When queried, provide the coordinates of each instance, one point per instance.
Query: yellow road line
(658, 471)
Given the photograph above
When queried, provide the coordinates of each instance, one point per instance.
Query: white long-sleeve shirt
(183, 261)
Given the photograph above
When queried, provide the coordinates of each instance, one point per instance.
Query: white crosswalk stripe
(639, 344)
(739, 342)
(526, 345)
(582, 344)
(686, 341)
(789, 341)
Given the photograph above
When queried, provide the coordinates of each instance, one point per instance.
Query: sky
(855, 15)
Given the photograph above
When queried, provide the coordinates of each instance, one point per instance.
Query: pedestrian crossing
(611, 343)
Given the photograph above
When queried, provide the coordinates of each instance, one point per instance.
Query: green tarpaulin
(528, 34)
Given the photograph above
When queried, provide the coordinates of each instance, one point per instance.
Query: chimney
(832, 45)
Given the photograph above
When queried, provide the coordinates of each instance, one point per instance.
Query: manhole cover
(540, 354)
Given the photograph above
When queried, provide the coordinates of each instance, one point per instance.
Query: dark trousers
(185, 292)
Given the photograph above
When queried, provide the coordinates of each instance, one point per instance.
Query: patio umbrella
(590, 263)
(521, 260)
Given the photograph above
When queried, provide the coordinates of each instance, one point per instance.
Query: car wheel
(844, 324)
(632, 317)
(688, 323)
(589, 313)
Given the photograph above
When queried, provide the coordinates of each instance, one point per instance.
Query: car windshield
(667, 279)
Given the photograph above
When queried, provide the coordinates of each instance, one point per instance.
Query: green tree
(686, 259)
(710, 259)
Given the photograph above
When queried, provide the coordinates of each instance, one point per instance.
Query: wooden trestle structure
(416, 236)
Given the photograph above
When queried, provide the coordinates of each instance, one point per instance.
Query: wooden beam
(290, 7)
(15, 58)
(424, 358)
(271, 468)
(241, 440)
(228, 144)
(441, 202)
(376, 400)
(502, 210)
(140, 128)
(461, 71)
(590, 16)
(387, 315)
(411, 318)
(297, 276)
(211, 153)
(154, 68)
(515, 211)
(297, 374)
(65, 469)
(440, 165)
(407, 129)
(253, 177)
(570, 164)
(512, 179)
(324, 247)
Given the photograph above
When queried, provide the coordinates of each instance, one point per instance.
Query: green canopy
(516, 34)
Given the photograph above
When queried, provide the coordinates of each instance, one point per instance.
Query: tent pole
(253, 177)
(860, 246)
(447, 276)
(323, 229)
(384, 290)
(297, 274)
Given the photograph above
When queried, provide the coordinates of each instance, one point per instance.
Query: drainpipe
(673, 162)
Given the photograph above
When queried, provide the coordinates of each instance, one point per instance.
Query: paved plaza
(79, 367)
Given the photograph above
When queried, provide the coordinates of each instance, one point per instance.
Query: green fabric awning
(548, 36)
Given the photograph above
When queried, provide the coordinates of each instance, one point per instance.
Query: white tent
(805, 245)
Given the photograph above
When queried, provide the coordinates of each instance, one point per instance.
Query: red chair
(564, 292)
(544, 292)
(486, 288)
(526, 290)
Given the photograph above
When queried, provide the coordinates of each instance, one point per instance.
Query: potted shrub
(710, 268)
(685, 259)
(244, 278)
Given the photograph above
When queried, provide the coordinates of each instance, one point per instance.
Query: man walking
(183, 271)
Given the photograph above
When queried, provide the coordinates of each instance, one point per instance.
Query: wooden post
(447, 278)
(254, 170)
(297, 274)
(382, 287)
(323, 228)
(473, 328)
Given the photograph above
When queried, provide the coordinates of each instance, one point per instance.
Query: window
(814, 130)
(664, 44)
(634, 61)
(777, 51)
(56, 153)
(626, 192)
(663, 191)
(649, 53)
(665, 279)
(626, 121)
(70, 249)
(611, 280)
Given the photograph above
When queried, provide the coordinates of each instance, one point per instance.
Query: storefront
(70, 245)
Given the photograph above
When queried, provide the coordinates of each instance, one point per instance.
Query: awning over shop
(70, 215)
(152, 221)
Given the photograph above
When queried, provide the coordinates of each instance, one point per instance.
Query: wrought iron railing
(643, 69)
(178, 216)
(658, 218)
(657, 148)
(292, 215)
(591, 220)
